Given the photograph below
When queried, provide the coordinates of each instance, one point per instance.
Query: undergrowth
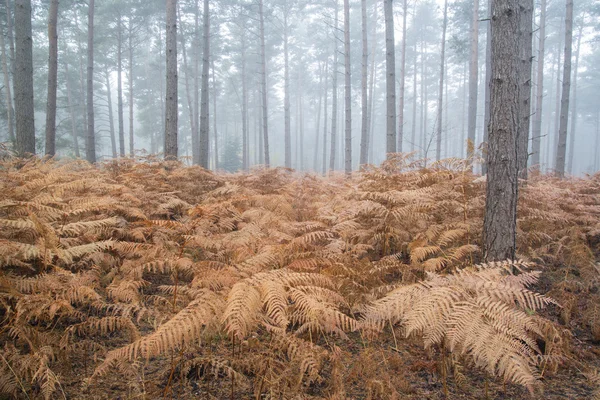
(158, 280)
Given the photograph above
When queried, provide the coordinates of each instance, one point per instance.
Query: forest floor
(149, 279)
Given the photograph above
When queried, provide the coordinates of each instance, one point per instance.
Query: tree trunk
(71, 112)
(413, 134)
(488, 80)
(348, 91)
(9, 101)
(120, 86)
(111, 122)
(245, 140)
(566, 89)
(553, 146)
(171, 97)
(334, 95)
(90, 140)
(286, 94)
(525, 56)
(500, 220)
(574, 107)
(372, 85)
(364, 137)
(265, 109)
(473, 75)
(24, 112)
(537, 116)
(438, 150)
(399, 146)
(324, 167)
(204, 113)
(214, 84)
(196, 108)
(11, 38)
(318, 121)
(52, 78)
(130, 81)
(390, 73)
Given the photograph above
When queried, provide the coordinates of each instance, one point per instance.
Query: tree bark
(111, 122)
(90, 139)
(334, 96)
(265, 109)
(196, 108)
(438, 150)
(204, 107)
(390, 73)
(171, 90)
(348, 91)
(537, 116)
(9, 101)
(400, 144)
(574, 107)
(364, 137)
(52, 78)
(473, 76)
(24, 112)
(525, 55)
(500, 219)
(566, 89)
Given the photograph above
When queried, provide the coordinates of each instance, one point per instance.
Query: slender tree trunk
(24, 112)
(390, 73)
(413, 134)
(554, 144)
(566, 89)
(364, 141)
(120, 86)
(245, 135)
(171, 97)
(334, 95)
(82, 82)
(372, 85)
(324, 167)
(161, 85)
(438, 154)
(301, 118)
(204, 113)
(473, 75)
(52, 78)
(525, 56)
(574, 107)
(196, 107)
(537, 116)
(265, 109)
(488, 81)
(214, 84)
(286, 94)
(399, 146)
(111, 122)
(348, 91)
(9, 101)
(130, 81)
(90, 142)
(71, 112)
(318, 121)
(500, 219)
(10, 36)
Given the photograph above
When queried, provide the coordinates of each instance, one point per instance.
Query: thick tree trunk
(390, 74)
(334, 95)
(9, 101)
(539, 94)
(286, 94)
(500, 220)
(52, 78)
(204, 122)
(438, 151)
(111, 122)
(24, 112)
(120, 86)
(525, 56)
(574, 106)
(171, 91)
(71, 112)
(265, 109)
(130, 81)
(348, 91)
(90, 139)
(399, 146)
(473, 76)
(364, 134)
(566, 89)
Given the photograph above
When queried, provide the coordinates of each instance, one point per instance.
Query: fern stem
(16, 376)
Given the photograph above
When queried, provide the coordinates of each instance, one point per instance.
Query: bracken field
(148, 279)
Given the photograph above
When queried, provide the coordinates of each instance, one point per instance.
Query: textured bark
(9, 101)
(438, 151)
(364, 137)
(204, 122)
(52, 78)
(399, 146)
(488, 80)
(263, 66)
(500, 220)
(574, 105)
(286, 94)
(536, 132)
(111, 122)
(566, 89)
(90, 139)
(170, 149)
(390, 78)
(473, 76)
(71, 113)
(334, 95)
(348, 91)
(25, 135)
(525, 56)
